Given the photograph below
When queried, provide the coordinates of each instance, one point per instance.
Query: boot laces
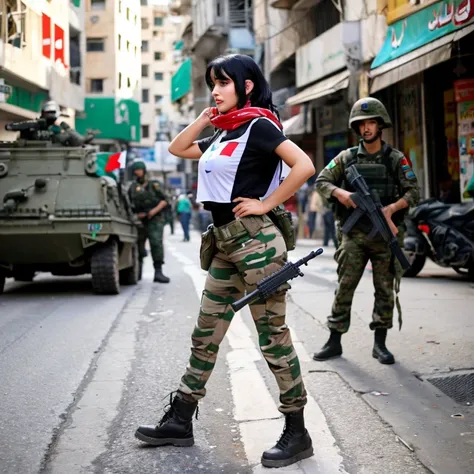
(170, 410)
(286, 436)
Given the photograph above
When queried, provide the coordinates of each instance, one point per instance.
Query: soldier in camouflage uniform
(148, 201)
(389, 176)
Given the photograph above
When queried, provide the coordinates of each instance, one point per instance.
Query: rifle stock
(269, 285)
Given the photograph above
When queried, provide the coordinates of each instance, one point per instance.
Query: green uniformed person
(389, 175)
(149, 201)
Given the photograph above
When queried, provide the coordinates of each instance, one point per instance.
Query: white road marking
(260, 422)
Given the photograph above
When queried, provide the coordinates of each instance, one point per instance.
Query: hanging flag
(116, 161)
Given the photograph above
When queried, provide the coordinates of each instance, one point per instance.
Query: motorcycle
(442, 232)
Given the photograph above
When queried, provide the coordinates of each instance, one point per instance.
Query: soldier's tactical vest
(382, 181)
(143, 197)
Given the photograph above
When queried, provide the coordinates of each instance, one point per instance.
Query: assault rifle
(372, 208)
(270, 284)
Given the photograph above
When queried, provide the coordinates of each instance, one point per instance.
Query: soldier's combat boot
(332, 348)
(140, 269)
(294, 444)
(380, 351)
(176, 426)
(159, 277)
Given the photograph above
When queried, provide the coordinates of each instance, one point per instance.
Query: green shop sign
(112, 118)
(423, 27)
(181, 81)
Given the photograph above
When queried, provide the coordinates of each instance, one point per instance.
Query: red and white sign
(464, 90)
(47, 36)
(59, 45)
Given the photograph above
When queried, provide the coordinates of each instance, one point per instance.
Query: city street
(80, 372)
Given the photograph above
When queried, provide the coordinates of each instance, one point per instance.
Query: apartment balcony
(216, 18)
(20, 61)
(180, 7)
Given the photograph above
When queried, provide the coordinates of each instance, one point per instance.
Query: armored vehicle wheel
(130, 275)
(104, 269)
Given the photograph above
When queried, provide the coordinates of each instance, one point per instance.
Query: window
(145, 131)
(158, 76)
(97, 85)
(136, 51)
(158, 112)
(145, 23)
(145, 46)
(129, 82)
(95, 45)
(158, 21)
(120, 6)
(120, 80)
(128, 46)
(158, 56)
(119, 42)
(145, 70)
(135, 20)
(158, 99)
(145, 96)
(128, 14)
(97, 4)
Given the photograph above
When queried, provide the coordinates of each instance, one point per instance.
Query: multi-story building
(41, 58)
(209, 28)
(316, 54)
(112, 72)
(160, 57)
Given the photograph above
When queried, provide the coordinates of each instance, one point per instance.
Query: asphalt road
(79, 372)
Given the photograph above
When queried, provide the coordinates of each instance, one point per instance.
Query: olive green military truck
(60, 213)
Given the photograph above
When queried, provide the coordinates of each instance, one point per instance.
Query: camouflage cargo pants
(153, 231)
(352, 256)
(243, 259)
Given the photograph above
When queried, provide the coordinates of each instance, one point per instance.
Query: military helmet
(368, 108)
(50, 110)
(138, 165)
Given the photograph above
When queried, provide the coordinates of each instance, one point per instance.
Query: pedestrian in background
(184, 209)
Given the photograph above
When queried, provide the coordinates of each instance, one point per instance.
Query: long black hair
(241, 68)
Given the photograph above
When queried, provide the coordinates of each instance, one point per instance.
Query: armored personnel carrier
(61, 213)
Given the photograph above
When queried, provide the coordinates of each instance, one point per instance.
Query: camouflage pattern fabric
(153, 231)
(352, 257)
(356, 249)
(241, 262)
(144, 197)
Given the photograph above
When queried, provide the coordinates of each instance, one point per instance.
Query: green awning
(178, 45)
(181, 81)
(422, 28)
(115, 119)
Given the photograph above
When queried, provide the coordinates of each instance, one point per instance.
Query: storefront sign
(320, 57)
(424, 27)
(464, 90)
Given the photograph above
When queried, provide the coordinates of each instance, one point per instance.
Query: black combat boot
(294, 444)
(159, 277)
(380, 351)
(332, 348)
(176, 426)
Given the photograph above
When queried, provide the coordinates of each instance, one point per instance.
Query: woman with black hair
(239, 182)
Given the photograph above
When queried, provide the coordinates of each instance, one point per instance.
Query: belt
(238, 227)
